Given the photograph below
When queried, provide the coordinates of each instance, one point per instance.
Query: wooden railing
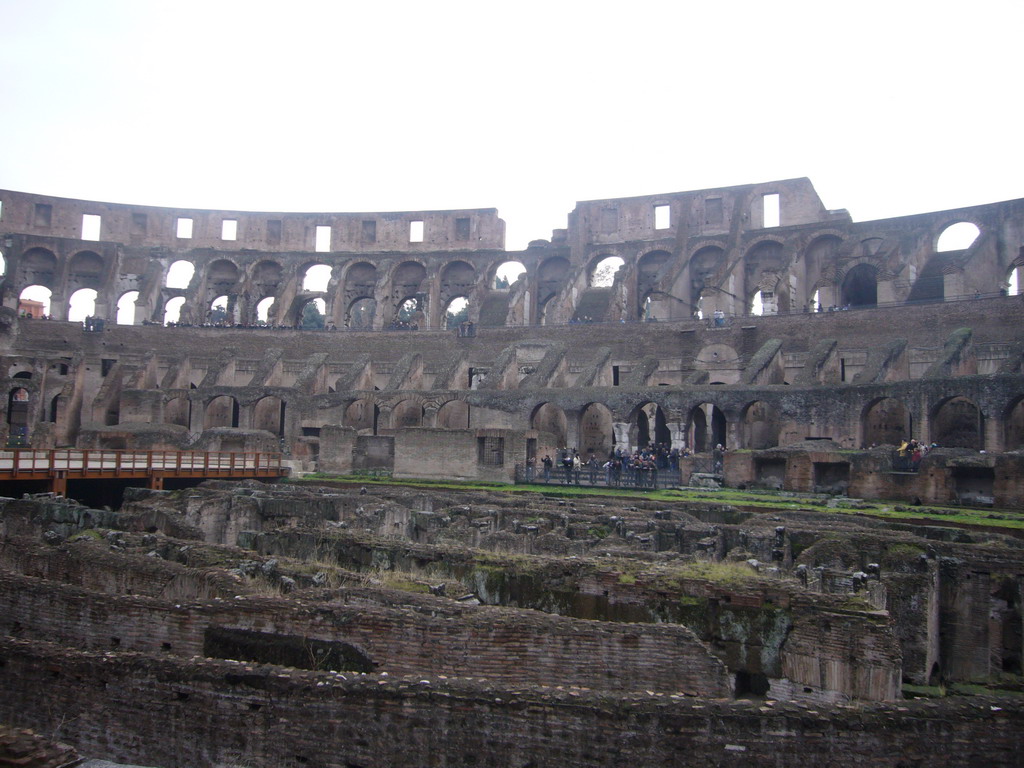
(74, 463)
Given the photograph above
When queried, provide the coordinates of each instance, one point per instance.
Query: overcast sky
(890, 108)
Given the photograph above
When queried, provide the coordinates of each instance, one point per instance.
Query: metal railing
(598, 477)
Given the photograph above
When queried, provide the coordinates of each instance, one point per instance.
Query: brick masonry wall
(198, 713)
(499, 644)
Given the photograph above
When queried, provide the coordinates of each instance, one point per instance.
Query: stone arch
(648, 425)
(706, 427)
(263, 309)
(597, 430)
(1013, 425)
(453, 414)
(126, 308)
(820, 260)
(172, 309)
(85, 270)
(362, 416)
(18, 402)
(603, 269)
(551, 277)
(82, 304)
(407, 285)
(506, 274)
(885, 421)
(359, 315)
(223, 310)
(38, 266)
(34, 301)
(957, 236)
(312, 314)
(458, 279)
(316, 277)
(178, 410)
(550, 419)
(860, 286)
(957, 422)
(407, 413)
(221, 411)
(456, 312)
(705, 265)
(267, 278)
(761, 425)
(179, 274)
(649, 268)
(763, 265)
(221, 278)
(268, 413)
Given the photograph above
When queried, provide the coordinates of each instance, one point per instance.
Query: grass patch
(720, 573)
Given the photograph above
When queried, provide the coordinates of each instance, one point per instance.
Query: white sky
(890, 108)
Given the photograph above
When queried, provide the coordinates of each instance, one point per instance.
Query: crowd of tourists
(639, 468)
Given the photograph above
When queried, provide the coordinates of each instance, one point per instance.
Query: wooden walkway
(63, 464)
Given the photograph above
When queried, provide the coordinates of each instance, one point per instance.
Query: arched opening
(267, 277)
(603, 273)
(648, 273)
(550, 420)
(85, 270)
(54, 408)
(126, 308)
(1014, 426)
(506, 274)
(81, 305)
(3, 265)
(17, 416)
(860, 286)
(958, 423)
(172, 310)
(1013, 286)
(408, 413)
(456, 313)
(221, 412)
(707, 428)
(178, 410)
(360, 314)
(886, 422)
(316, 278)
(761, 425)
(458, 278)
(453, 415)
(551, 278)
(313, 315)
(179, 274)
(37, 266)
(957, 237)
(408, 314)
(757, 305)
(34, 301)
(649, 427)
(704, 267)
(268, 414)
(263, 310)
(597, 433)
(219, 312)
(362, 416)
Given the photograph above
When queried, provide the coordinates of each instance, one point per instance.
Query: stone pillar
(621, 430)
(677, 429)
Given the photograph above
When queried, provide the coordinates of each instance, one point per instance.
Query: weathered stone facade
(930, 346)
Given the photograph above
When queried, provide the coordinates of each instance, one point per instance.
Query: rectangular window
(139, 223)
(771, 210)
(713, 211)
(369, 231)
(274, 232)
(90, 226)
(229, 229)
(462, 229)
(323, 239)
(662, 217)
(615, 375)
(43, 215)
(842, 369)
(415, 231)
(105, 366)
(490, 451)
(184, 228)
